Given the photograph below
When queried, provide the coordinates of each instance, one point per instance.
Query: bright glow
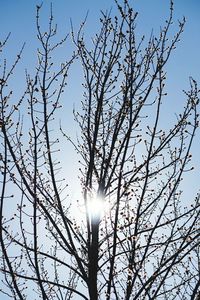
(96, 207)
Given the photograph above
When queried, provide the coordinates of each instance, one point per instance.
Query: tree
(136, 240)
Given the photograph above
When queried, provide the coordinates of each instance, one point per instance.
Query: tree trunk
(93, 260)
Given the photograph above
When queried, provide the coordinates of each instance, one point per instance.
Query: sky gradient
(18, 17)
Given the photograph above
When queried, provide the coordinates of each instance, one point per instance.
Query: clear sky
(18, 17)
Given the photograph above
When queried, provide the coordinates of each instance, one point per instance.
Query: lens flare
(96, 207)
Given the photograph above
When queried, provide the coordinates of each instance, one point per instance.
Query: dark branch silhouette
(136, 239)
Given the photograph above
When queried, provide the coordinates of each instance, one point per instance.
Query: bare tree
(136, 239)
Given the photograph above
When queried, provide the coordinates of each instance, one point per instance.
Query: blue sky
(18, 17)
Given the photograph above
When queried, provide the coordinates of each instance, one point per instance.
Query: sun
(96, 207)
